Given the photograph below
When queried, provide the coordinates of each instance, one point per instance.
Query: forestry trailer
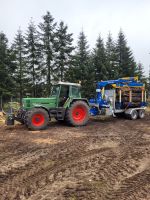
(125, 96)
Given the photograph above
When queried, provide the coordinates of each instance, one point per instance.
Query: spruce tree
(20, 74)
(47, 36)
(6, 67)
(33, 55)
(63, 48)
(83, 67)
(99, 61)
(140, 71)
(71, 74)
(126, 63)
(111, 57)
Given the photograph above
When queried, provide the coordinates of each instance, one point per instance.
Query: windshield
(55, 90)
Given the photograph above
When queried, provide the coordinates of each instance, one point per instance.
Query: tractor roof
(67, 83)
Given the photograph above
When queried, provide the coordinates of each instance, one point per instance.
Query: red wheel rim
(38, 119)
(79, 114)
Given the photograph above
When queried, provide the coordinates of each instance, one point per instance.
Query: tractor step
(59, 113)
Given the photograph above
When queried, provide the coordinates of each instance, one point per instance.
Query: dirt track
(106, 160)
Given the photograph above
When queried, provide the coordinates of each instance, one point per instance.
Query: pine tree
(82, 56)
(6, 67)
(47, 36)
(20, 74)
(126, 63)
(111, 57)
(83, 67)
(71, 74)
(63, 48)
(34, 56)
(99, 61)
(140, 71)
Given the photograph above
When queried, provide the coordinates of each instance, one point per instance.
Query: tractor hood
(29, 103)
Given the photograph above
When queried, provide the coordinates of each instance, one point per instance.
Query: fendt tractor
(64, 104)
(122, 97)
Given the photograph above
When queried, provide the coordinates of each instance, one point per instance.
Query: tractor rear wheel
(37, 119)
(78, 113)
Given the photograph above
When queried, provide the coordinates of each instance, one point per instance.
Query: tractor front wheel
(37, 119)
(78, 113)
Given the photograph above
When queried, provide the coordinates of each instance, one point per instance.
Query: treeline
(45, 53)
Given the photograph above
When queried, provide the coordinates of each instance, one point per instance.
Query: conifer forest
(46, 53)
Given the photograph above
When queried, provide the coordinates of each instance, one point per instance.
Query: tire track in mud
(103, 165)
(58, 169)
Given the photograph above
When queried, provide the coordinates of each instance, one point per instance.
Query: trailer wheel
(78, 113)
(141, 114)
(133, 115)
(37, 119)
(120, 115)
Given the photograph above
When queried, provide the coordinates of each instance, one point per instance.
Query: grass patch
(48, 163)
(98, 184)
(73, 198)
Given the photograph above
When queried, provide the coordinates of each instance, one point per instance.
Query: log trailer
(122, 97)
(125, 96)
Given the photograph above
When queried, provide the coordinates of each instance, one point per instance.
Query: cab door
(64, 95)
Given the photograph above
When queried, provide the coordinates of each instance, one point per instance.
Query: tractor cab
(64, 92)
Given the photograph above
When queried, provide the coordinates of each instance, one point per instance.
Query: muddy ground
(105, 160)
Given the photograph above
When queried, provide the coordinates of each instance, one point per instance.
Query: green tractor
(64, 104)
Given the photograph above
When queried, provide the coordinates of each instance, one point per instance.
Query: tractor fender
(43, 107)
(79, 99)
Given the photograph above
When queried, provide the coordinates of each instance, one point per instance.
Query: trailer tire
(120, 115)
(141, 114)
(37, 119)
(77, 114)
(133, 115)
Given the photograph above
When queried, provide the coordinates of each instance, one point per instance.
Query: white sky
(94, 16)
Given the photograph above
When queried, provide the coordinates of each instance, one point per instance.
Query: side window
(75, 91)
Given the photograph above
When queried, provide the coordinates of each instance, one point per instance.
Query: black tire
(120, 115)
(21, 116)
(37, 119)
(141, 114)
(21, 122)
(77, 114)
(133, 115)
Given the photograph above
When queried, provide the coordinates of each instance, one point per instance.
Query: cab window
(75, 91)
(55, 90)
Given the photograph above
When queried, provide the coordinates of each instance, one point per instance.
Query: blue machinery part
(103, 102)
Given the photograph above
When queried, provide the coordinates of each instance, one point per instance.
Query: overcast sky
(93, 16)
